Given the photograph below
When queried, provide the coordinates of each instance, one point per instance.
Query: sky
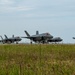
(54, 16)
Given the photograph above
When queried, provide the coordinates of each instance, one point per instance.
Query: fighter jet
(10, 40)
(56, 39)
(73, 37)
(40, 38)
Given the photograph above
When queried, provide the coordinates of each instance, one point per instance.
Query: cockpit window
(47, 33)
(18, 37)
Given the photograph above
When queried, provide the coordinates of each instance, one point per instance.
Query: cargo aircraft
(40, 38)
(10, 40)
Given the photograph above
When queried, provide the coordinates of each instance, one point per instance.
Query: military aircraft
(56, 39)
(10, 40)
(40, 38)
(73, 37)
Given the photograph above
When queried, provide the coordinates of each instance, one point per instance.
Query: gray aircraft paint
(10, 40)
(41, 38)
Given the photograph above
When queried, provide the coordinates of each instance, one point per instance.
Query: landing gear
(9, 42)
(31, 42)
(16, 42)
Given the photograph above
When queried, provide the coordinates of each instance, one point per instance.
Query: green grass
(37, 59)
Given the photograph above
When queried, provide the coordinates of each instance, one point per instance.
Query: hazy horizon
(56, 17)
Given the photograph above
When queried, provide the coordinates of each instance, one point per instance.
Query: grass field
(37, 59)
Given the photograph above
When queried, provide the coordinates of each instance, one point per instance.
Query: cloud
(7, 6)
(9, 9)
(6, 2)
(35, 8)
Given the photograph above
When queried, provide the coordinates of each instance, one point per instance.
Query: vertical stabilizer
(6, 37)
(1, 37)
(27, 33)
(37, 32)
(12, 36)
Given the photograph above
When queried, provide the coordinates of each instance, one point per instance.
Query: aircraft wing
(23, 37)
(30, 37)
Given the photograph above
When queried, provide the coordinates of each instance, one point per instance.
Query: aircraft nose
(20, 39)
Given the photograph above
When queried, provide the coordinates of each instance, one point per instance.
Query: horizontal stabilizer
(1, 37)
(37, 32)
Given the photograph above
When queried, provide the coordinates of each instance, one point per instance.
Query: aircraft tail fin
(37, 32)
(12, 36)
(27, 33)
(6, 36)
(1, 37)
